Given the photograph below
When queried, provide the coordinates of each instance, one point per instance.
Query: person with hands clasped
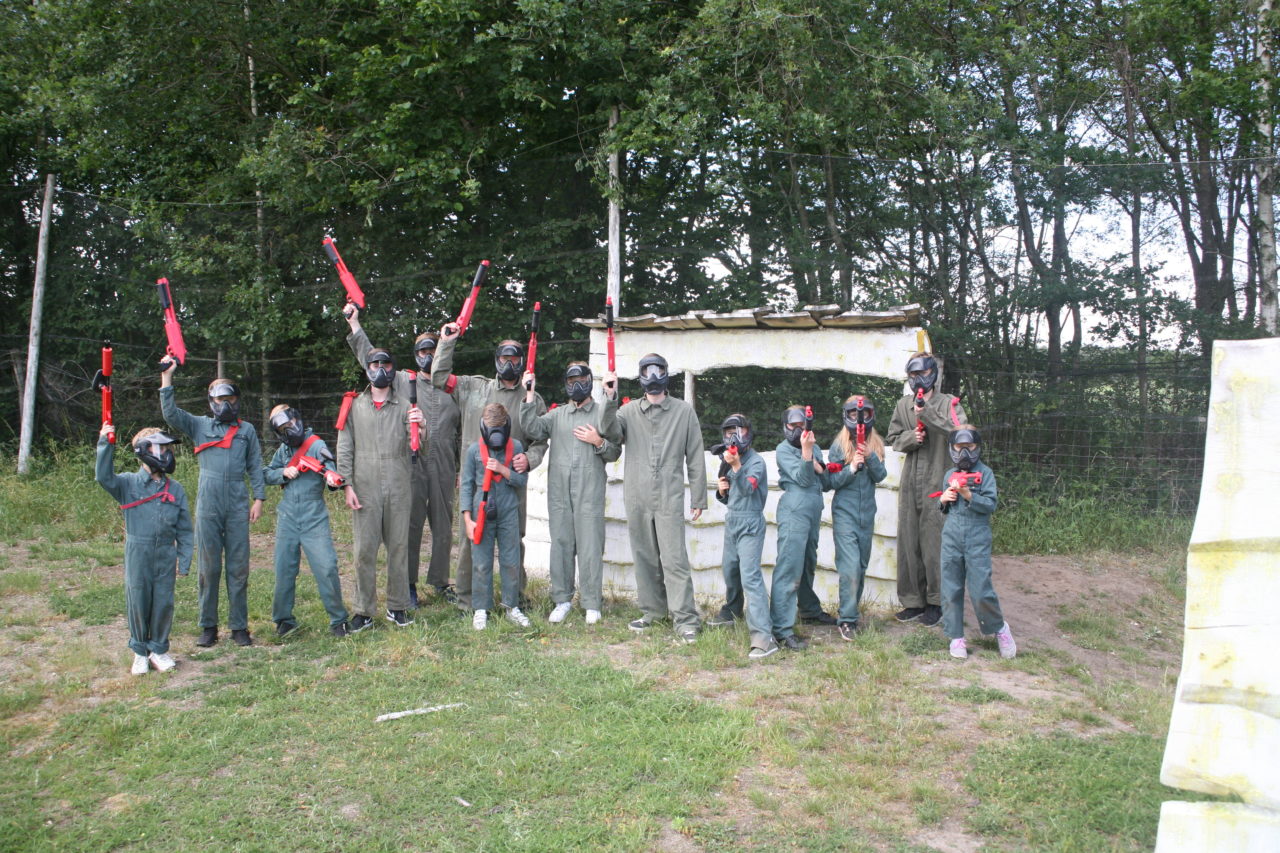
(374, 461)
(584, 436)
(918, 429)
(228, 451)
(157, 540)
(490, 500)
(967, 501)
(854, 469)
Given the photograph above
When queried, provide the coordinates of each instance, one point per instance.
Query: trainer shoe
(757, 653)
(208, 637)
(400, 617)
(593, 616)
(848, 630)
(822, 617)
(561, 610)
(793, 643)
(162, 662)
(448, 593)
(959, 649)
(340, 630)
(413, 596)
(140, 665)
(241, 637)
(640, 625)
(909, 614)
(688, 637)
(722, 619)
(284, 629)
(516, 616)
(359, 623)
(1004, 639)
(479, 619)
(931, 616)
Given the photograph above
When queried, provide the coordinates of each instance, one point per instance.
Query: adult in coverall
(303, 520)
(664, 440)
(157, 539)
(374, 461)
(473, 393)
(584, 436)
(919, 427)
(853, 506)
(228, 451)
(434, 477)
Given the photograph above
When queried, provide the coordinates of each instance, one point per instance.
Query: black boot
(208, 637)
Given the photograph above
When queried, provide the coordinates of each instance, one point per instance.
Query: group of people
(398, 457)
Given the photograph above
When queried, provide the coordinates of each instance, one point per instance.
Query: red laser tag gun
(176, 348)
(957, 481)
(610, 361)
(102, 382)
(414, 439)
(861, 435)
(347, 399)
(469, 306)
(533, 342)
(484, 505)
(808, 418)
(332, 479)
(919, 407)
(354, 293)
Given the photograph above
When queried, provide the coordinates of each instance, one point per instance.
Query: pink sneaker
(959, 649)
(1004, 639)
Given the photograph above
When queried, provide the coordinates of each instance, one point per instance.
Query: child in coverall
(744, 488)
(493, 453)
(853, 472)
(303, 520)
(968, 498)
(157, 538)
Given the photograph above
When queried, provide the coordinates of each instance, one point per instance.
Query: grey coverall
(966, 556)
(576, 480)
(473, 393)
(663, 441)
(853, 518)
(919, 522)
(432, 483)
(501, 526)
(157, 538)
(373, 457)
(744, 543)
(222, 508)
(303, 525)
(799, 520)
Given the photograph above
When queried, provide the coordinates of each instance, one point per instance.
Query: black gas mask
(381, 368)
(155, 452)
(858, 411)
(793, 421)
(224, 411)
(736, 430)
(653, 374)
(577, 382)
(495, 438)
(964, 458)
(927, 367)
(509, 361)
(425, 354)
(288, 427)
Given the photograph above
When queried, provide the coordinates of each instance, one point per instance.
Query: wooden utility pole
(33, 341)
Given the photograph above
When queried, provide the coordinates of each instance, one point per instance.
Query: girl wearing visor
(157, 539)
(855, 468)
(228, 451)
(304, 466)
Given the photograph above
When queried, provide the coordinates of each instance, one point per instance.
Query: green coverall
(744, 543)
(501, 526)
(966, 556)
(663, 441)
(373, 457)
(303, 525)
(919, 522)
(799, 520)
(576, 481)
(222, 508)
(157, 538)
(432, 484)
(853, 519)
(473, 393)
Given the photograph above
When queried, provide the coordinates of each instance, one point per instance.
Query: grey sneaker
(688, 637)
(757, 653)
(1004, 639)
(722, 620)
(931, 616)
(794, 644)
(640, 625)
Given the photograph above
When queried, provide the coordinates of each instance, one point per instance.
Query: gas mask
(425, 354)
(793, 425)
(509, 361)
(577, 382)
(736, 430)
(154, 451)
(495, 438)
(858, 411)
(224, 411)
(381, 368)
(653, 374)
(965, 458)
(928, 368)
(288, 427)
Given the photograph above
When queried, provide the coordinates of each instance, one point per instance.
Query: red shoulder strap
(223, 442)
(450, 384)
(302, 451)
(954, 419)
(163, 495)
(484, 456)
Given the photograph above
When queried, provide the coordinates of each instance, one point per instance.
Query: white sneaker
(162, 662)
(561, 611)
(593, 616)
(959, 649)
(479, 619)
(1004, 639)
(516, 615)
(140, 665)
